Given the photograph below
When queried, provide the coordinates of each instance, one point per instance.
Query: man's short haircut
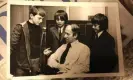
(101, 20)
(62, 14)
(37, 10)
(75, 29)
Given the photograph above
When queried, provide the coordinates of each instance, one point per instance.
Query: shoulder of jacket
(23, 23)
(52, 28)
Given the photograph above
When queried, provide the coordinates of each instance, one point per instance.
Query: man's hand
(62, 68)
(47, 52)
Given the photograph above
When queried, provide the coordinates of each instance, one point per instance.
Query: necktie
(63, 57)
(96, 36)
(59, 34)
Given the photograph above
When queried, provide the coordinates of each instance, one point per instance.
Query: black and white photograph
(64, 40)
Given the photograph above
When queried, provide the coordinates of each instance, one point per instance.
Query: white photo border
(85, 4)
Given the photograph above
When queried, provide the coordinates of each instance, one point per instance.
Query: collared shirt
(100, 33)
(62, 28)
(77, 59)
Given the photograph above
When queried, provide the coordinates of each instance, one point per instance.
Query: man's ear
(75, 35)
(31, 16)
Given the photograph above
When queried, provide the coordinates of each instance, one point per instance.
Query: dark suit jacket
(20, 47)
(52, 39)
(103, 58)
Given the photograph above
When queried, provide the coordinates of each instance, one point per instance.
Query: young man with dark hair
(103, 57)
(26, 44)
(55, 34)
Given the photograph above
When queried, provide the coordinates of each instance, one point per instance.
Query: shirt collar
(100, 33)
(74, 42)
(61, 29)
(31, 25)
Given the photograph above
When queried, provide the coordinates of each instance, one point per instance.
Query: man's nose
(40, 20)
(59, 20)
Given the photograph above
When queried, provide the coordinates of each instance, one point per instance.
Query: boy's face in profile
(96, 28)
(37, 19)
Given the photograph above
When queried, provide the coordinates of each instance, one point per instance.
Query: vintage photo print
(64, 40)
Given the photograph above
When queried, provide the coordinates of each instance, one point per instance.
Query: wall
(18, 14)
(82, 13)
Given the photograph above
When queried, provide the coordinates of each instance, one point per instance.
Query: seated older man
(72, 57)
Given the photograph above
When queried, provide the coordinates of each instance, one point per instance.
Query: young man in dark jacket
(26, 44)
(103, 58)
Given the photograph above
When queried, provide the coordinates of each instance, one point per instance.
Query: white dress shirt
(77, 59)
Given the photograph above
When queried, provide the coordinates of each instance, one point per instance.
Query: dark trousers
(33, 70)
(22, 72)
